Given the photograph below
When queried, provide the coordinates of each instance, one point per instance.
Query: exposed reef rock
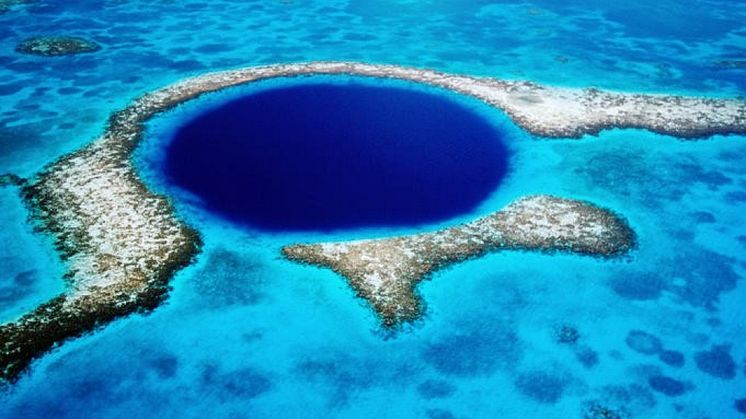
(385, 271)
(542, 110)
(122, 243)
(53, 46)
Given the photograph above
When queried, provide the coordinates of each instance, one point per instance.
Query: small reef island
(385, 271)
(122, 243)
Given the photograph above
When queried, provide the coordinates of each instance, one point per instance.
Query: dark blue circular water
(330, 156)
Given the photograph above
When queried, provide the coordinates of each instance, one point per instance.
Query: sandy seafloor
(247, 334)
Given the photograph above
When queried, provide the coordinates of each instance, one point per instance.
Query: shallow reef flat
(385, 271)
(122, 243)
(542, 110)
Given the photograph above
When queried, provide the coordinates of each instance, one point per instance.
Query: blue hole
(327, 156)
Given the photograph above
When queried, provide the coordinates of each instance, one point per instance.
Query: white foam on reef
(123, 243)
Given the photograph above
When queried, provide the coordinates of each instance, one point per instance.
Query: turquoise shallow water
(247, 334)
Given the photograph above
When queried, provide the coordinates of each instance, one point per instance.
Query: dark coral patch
(474, 353)
(439, 414)
(566, 334)
(344, 375)
(7, 89)
(11, 180)
(21, 286)
(622, 170)
(228, 279)
(643, 342)
(703, 217)
(638, 286)
(54, 46)
(541, 386)
(698, 276)
(717, 362)
(244, 383)
(736, 197)
(164, 365)
(347, 375)
(634, 397)
(587, 357)
(740, 405)
(672, 358)
(667, 385)
(707, 275)
(596, 410)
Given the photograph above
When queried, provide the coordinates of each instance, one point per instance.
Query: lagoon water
(245, 333)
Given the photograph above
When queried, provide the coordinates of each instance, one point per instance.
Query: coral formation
(11, 180)
(673, 358)
(566, 334)
(596, 410)
(717, 362)
(385, 271)
(668, 386)
(53, 46)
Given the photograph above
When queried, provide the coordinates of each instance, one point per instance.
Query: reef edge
(386, 271)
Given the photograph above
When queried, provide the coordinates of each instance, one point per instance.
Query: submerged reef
(53, 46)
(567, 335)
(730, 64)
(11, 180)
(385, 271)
(122, 243)
(596, 410)
(5, 5)
(717, 362)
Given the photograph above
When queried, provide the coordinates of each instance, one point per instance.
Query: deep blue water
(246, 334)
(333, 156)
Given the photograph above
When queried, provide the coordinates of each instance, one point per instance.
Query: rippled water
(245, 333)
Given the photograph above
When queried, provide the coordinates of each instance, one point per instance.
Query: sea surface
(655, 334)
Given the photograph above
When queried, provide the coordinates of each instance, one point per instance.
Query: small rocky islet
(123, 243)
